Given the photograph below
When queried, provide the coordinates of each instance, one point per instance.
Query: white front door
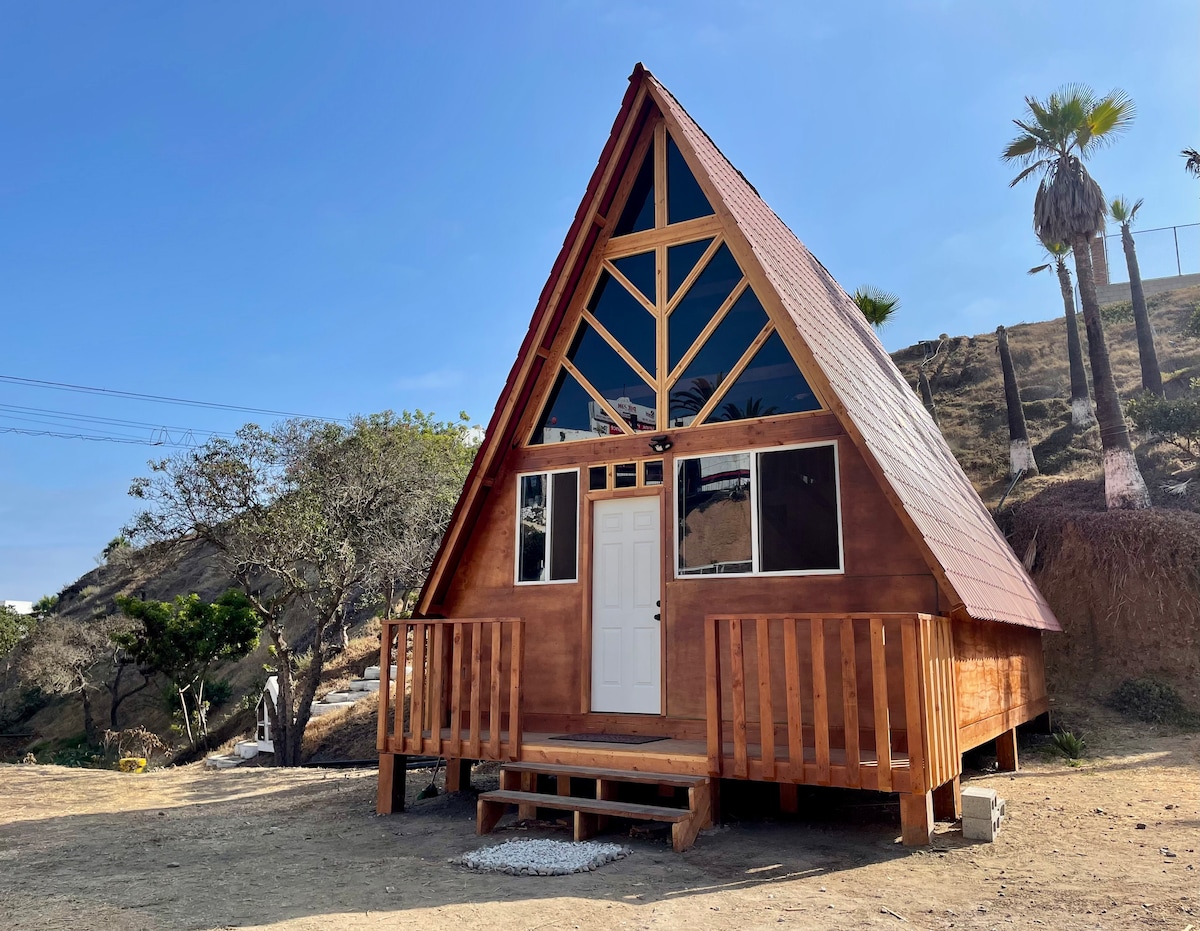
(626, 638)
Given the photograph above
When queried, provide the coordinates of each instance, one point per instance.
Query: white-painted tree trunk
(1124, 486)
(1081, 412)
(1020, 455)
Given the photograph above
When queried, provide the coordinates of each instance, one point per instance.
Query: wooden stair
(591, 814)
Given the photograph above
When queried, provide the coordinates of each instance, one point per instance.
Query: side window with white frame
(752, 513)
(547, 526)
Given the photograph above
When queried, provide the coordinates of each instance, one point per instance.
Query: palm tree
(1055, 136)
(1192, 165)
(1081, 402)
(877, 306)
(1124, 214)
(1020, 453)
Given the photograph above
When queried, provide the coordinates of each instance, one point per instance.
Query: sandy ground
(265, 848)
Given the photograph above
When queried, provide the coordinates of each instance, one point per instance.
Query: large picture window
(547, 526)
(747, 513)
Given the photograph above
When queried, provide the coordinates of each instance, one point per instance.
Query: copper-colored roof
(977, 562)
(961, 543)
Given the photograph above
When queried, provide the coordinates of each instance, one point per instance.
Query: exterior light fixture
(660, 444)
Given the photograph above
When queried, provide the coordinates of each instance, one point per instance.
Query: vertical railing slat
(476, 689)
(712, 690)
(933, 731)
(791, 663)
(456, 670)
(883, 746)
(820, 699)
(494, 683)
(416, 701)
(385, 686)
(850, 703)
(766, 713)
(437, 690)
(516, 668)
(913, 707)
(738, 684)
(398, 725)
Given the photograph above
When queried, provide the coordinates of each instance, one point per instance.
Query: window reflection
(771, 384)
(715, 515)
(707, 293)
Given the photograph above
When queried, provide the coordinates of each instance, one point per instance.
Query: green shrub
(217, 692)
(1121, 312)
(1192, 327)
(1150, 700)
(1177, 421)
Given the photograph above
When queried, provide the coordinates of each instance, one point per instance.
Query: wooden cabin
(711, 534)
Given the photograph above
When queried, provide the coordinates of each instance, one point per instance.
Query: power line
(100, 439)
(158, 399)
(98, 419)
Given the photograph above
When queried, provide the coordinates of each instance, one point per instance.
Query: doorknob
(658, 617)
(658, 604)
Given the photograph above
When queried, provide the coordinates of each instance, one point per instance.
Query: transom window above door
(670, 333)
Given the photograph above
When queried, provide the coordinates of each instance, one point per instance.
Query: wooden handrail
(460, 672)
(855, 700)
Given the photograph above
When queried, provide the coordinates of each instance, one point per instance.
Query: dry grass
(969, 392)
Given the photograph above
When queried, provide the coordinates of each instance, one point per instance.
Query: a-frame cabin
(708, 514)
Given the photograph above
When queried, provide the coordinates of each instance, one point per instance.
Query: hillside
(1122, 584)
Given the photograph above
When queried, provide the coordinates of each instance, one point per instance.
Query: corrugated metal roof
(901, 437)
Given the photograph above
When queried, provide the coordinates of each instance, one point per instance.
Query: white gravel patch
(542, 857)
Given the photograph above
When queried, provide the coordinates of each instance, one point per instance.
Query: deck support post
(789, 798)
(947, 801)
(1006, 751)
(458, 775)
(916, 818)
(393, 770)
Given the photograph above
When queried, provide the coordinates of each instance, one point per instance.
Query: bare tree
(313, 516)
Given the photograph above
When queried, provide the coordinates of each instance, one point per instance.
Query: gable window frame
(547, 476)
(755, 503)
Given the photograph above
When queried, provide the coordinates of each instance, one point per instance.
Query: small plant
(1068, 744)
(1121, 312)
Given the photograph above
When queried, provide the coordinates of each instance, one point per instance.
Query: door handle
(658, 617)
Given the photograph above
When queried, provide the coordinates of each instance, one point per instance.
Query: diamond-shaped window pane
(707, 293)
(626, 319)
(567, 414)
(720, 353)
(613, 379)
(681, 260)
(639, 269)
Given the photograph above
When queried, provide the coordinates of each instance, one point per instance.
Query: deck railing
(861, 701)
(457, 690)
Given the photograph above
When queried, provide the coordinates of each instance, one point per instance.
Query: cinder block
(364, 685)
(1003, 804)
(979, 803)
(984, 829)
(371, 672)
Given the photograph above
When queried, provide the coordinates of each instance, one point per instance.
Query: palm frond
(1122, 211)
(1192, 165)
(876, 305)
(1025, 173)
(1022, 147)
(1038, 268)
(1110, 117)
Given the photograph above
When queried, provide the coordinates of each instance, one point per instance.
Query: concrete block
(334, 697)
(1003, 807)
(979, 803)
(320, 708)
(371, 672)
(222, 761)
(984, 829)
(364, 685)
(246, 749)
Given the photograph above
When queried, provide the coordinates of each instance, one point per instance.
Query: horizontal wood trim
(597, 723)
(688, 231)
(989, 728)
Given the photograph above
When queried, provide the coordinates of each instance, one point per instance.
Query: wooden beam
(389, 793)
(879, 690)
(712, 693)
(850, 701)
(687, 231)
(737, 675)
(494, 684)
(916, 819)
(791, 668)
(947, 801)
(820, 699)
(766, 714)
(1006, 751)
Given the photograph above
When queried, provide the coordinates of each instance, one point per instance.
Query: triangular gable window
(672, 335)
(685, 200)
(770, 385)
(638, 214)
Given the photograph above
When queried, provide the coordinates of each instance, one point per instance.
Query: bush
(1176, 421)
(1068, 744)
(1121, 312)
(217, 692)
(1192, 327)
(1150, 700)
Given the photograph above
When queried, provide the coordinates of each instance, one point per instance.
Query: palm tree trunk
(1020, 453)
(1124, 486)
(1147, 354)
(1081, 402)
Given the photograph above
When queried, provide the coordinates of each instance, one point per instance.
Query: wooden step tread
(616, 775)
(592, 806)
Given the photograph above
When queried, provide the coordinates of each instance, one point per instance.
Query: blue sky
(345, 207)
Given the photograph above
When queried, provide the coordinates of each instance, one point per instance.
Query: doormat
(610, 738)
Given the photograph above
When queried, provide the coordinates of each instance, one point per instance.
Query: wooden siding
(1001, 678)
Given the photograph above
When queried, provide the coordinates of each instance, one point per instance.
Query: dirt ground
(267, 848)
